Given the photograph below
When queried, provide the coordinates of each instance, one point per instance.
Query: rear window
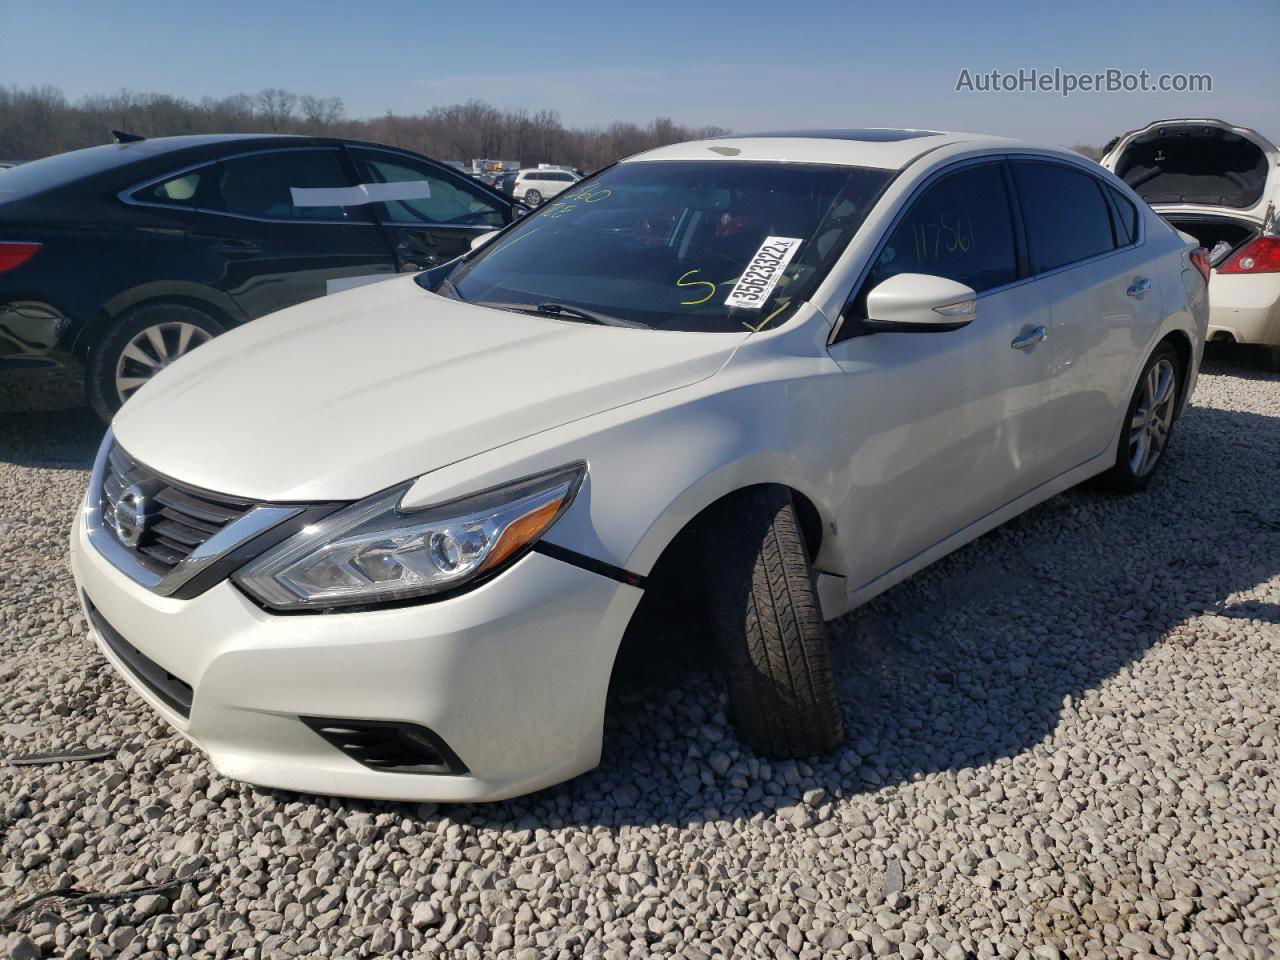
(39, 175)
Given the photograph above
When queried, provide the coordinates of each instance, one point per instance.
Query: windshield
(676, 245)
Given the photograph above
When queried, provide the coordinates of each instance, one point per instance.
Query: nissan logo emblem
(130, 516)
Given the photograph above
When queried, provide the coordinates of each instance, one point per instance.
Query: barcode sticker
(763, 273)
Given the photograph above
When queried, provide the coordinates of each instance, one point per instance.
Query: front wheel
(1148, 422)
(139, 345)
(768, 626)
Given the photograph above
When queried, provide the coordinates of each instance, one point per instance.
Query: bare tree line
(39, 121)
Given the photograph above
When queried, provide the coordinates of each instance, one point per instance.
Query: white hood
(340, 397)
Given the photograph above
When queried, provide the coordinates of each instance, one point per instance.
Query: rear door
(438, 224)
(949, 426)
(1086, 250)
(277, 233)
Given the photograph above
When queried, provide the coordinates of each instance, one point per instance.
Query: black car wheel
(139, 345)
(768, 625)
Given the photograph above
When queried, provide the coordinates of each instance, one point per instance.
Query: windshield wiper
(560, 311)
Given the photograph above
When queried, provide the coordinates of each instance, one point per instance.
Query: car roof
(885, 148)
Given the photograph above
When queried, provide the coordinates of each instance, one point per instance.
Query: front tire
(1148, 422)
(768, 626)
(139, 344)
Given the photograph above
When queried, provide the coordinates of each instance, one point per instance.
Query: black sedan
(118, 259)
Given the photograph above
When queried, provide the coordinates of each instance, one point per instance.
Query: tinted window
(666, 243)
(194, 188)
(1066, 216)
(960, 228)
(1126, 217)
(261, 185)
(451, 200)
(39, 175)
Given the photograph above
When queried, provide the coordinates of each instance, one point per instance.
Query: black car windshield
(675, 245)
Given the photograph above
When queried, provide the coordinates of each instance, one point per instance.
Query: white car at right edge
(1220, 184)
(770, 375)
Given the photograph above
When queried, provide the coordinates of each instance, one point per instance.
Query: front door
(946, 427)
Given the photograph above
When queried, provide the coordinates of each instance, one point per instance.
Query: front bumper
(512, 676)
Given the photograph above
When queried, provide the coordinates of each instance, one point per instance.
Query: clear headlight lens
(373, 552)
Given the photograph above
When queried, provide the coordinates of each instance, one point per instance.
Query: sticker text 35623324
(762, 273)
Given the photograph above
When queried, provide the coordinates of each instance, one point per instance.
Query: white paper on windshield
(360, 194)
(762, 273)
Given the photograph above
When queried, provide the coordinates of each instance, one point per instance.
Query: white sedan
(388, 543)
(1220, 184)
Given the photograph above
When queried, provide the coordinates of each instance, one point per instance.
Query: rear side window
(1065, 213)
(261, 185)
(1126, 215)
(960, 228)
(194, 188)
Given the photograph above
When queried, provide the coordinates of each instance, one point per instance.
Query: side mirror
(484, 238)
(920, 303)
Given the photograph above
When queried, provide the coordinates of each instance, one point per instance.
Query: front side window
(665, 244)
(1065, 213)
(262, 185)
(448, 201)
(960, 228)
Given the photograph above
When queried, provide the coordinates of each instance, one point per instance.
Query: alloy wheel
(1149, 428)
(153, 349)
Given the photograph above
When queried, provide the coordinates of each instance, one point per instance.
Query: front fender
(655, 465)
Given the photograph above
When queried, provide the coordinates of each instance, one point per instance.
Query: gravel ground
(1063, 742)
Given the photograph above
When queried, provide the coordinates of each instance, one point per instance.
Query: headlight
(373, 552)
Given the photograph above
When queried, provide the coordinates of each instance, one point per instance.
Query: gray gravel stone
(1062, 743)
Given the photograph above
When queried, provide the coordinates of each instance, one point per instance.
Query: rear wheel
(768, 626)
(1148, 422)
(139, 345)
(533, 198)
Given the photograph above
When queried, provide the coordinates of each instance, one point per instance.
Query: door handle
(1025, 341)
(1139, 287)
(243, 247)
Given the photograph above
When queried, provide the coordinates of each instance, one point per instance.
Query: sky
(748, 65)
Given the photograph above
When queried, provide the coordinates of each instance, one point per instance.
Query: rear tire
(768, 626)
(179, 329)
(533, 198)
(1148, 422)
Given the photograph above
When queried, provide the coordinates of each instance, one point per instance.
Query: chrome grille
(181, 518)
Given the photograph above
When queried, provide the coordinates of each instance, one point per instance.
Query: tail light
(1200, 260)
(16, 254)
(1259, 256)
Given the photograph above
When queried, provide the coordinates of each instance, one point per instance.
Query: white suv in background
(534, 185)
(1220, 184)
(762, 377)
